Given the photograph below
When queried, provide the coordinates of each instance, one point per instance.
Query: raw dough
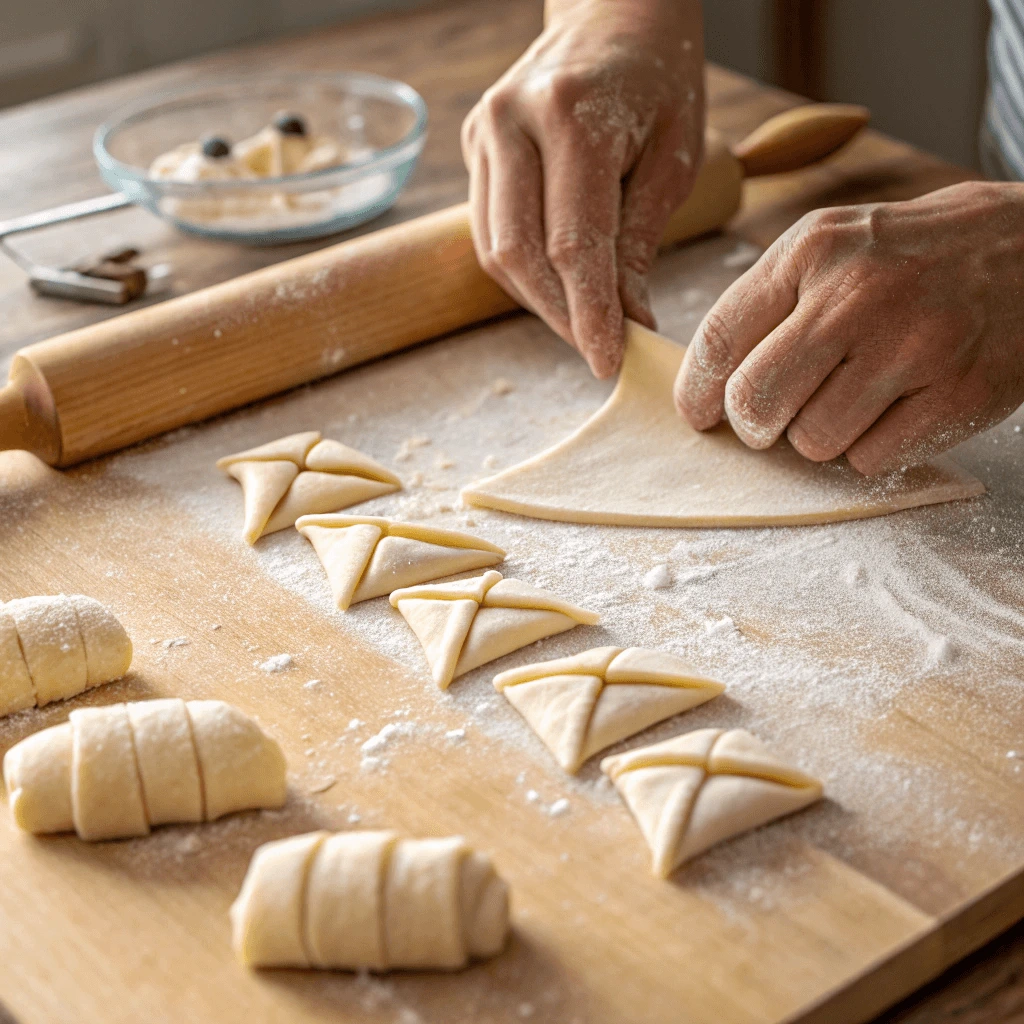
(582, 704)
(112, 772)
(465, 624)
(367, 556)
(696, 790)
(56, 647)
(368, 900)
(301, 475)
(636, 463)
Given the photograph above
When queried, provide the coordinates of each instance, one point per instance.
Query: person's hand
(889, 332)
(577, 157)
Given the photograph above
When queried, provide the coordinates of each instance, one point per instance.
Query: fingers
(842, 409)
(925, 423)
(745, 314)
(661, 180)
(581, 211)
(780, 374)
(516, 226)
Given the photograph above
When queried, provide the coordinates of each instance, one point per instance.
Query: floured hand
(889, 332)
(577, 157)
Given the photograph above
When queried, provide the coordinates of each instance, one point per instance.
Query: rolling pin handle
(799, 137)
(28, 419)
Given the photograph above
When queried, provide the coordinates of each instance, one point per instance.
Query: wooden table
(450, 53)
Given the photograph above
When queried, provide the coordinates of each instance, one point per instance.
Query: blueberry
(289, 124)
(215, 147)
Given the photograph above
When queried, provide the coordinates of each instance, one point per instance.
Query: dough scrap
(580, 705)
(52, 648)
(635, 462)
(699, 789)
(369, 556)
(113, 772)
(466, 624)
(369, 901)
(302, 474)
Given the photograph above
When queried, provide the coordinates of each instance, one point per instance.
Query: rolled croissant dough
(636, 463)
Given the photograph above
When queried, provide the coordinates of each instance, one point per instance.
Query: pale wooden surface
(65, 535)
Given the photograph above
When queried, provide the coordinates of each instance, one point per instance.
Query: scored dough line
(199, 764)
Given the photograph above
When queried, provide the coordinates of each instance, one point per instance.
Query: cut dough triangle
(467, 623)
(369, 556)
(696, 790)
(637, 463)
(580, 705)
(302, 475)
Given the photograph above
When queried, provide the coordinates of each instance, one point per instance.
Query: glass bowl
(380, 123)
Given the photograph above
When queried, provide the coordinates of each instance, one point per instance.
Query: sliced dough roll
(115, 771)
(370, 556)
(369, 901)
(52, 648)
(582, 704)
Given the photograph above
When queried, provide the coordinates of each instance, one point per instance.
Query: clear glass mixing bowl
(380, 122)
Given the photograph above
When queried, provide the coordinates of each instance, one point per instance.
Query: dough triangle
(334, 457)
(625, 709)
(636, 463)
(345, 554)
(403, 562)
(729, 805)
(661, 799)
(290, 449)
(442, 628)
(558, 709)
(500, 631)
(314, 492)
(264, 484)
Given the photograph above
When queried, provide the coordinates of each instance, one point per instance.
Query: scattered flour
(278, 663)
(658, 578)
(178, 641)
(829, 638)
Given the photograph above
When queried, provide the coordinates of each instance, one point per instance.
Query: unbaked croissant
(112, 772)
(56, 647)
(369, 900)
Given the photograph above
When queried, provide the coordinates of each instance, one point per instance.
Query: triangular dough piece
(729, 805)
(370, 556)
(312, 493)
(558, 709)
(334, 457)
(639, 687)
(661, 799)
(292, 448)
(442, 628)
(637, 463)
(594, 662)
(302, 475)
(500, 631)
(403, 562)
(492, 630)
(681, 820)
(345, 554)
(628, 708)
(264, 484)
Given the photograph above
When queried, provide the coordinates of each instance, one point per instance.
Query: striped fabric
(1004, 112)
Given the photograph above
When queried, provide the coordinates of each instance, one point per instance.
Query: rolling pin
(129, 378)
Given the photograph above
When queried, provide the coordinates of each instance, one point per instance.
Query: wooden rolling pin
(129, 378)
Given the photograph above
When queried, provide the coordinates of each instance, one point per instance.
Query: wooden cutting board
(887, 656)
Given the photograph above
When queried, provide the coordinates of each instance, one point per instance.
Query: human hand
(889, 332)
(577, 157)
